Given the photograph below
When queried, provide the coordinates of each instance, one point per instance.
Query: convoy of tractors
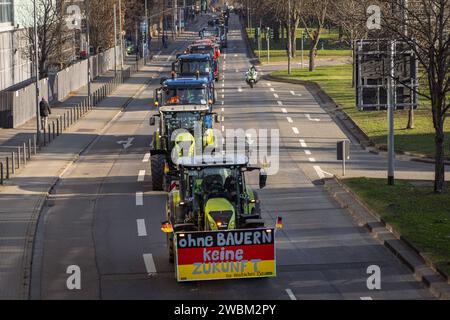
(208, 199)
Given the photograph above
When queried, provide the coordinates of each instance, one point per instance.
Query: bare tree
(424, 25)
(50, 25)
(317, 12)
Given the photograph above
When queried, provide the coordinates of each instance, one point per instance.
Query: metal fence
(18, 103)
(15, 157)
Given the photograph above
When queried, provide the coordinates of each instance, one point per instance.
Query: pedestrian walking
(44, 111)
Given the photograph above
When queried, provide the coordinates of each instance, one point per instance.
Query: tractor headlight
(221, 220)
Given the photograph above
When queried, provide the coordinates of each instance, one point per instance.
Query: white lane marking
(296, 94)
(223, 128)
(146, 157)
(141, 175)
(319, 172)
(240, 89)
(236, 54)
(139, 198)
(223, 109)
(237, 71)
(272, 89)
(295, 130)
(284, 110)
(223, 102)
(303, 143)
(149, 263)
(223, 96)
(289, 119)
(312, 159)
(142, 230)
(291, 294)
(307, 152)
(269, 84)
(223, 85)
(311, 119)
(223, 90)
(280, 103)
(276, 96)
(366, 298)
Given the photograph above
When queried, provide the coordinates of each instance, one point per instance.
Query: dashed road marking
(295, 130)
(149, 263)
(284, 110)
(291, 294)
(139, 198)
(276, 96)
(146, 157)
(312, 159)
(280, 103)
(240, 89)
(272, 89)
(223, 109)
(142, 230)
(141, 175)
(307, 152)
(289, 119)
(296, 94)
(303, 143)
(269, 84)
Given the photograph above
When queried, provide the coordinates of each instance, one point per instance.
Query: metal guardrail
(18, 156)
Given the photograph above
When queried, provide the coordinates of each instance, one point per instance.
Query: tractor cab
(199, 64)
(180, 130)
(212, 194)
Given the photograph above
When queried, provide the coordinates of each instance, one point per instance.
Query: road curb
(423, 269)
(336, 112)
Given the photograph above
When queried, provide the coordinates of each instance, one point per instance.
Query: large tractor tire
(171, 250)
(157, 166)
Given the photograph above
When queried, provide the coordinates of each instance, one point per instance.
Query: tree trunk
(439, 170)
(410, 118)
(312, 56)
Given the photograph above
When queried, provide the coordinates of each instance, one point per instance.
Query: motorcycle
(251, 78)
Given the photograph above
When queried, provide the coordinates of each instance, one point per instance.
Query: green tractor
(182, 104)
(212, 195)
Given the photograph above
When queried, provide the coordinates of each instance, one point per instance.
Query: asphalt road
(103, 216)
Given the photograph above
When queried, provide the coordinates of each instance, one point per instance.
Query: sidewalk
(24, 195)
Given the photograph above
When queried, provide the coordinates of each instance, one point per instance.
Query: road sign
(372, 75)
(232, 254)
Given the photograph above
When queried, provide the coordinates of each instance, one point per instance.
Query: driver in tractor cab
(172, 97)
(230, 186)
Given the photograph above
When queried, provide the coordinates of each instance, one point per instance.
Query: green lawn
(336, 81)
(329, 47)
(421, 216)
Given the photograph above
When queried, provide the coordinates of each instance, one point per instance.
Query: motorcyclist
(252, 73)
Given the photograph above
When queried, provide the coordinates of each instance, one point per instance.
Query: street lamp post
(115, 40)
(289, 38)
(36, 66)
(121, 35)
(88, 51)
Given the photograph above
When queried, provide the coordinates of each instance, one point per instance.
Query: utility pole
(115, 39)
(391, 111)
(302, 48)
(36, 70)
(88, 51)
(289, 38)
(268, 44)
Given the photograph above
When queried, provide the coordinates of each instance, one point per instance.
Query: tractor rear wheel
(157, 166)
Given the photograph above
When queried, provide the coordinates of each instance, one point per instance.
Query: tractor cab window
(191, 67)
(193, 96)
(216, 183)
(182, 120)
(203, 49)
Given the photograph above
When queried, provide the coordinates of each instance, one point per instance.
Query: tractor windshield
(183, 120)
(216, 182)
(191, 67)
(183, 96)
(203, 49)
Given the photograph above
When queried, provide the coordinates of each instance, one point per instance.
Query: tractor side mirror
(152, 121)
(262, 180)
(216, 118)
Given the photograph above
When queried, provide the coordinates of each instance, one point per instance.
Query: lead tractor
(212, 195)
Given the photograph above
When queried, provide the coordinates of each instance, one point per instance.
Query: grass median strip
(412, 208)
(336, 81)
